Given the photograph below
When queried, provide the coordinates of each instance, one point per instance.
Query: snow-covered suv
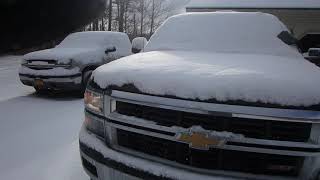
(69, 65)
(213, 95)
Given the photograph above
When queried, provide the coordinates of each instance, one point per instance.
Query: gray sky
(180, 5)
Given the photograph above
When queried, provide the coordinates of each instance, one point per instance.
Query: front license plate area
(38, 83)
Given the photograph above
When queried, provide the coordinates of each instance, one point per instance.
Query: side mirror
(138, 44)
(314, 52)
(109, 50)
(287, 38)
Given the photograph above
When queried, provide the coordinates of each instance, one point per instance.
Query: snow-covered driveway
(38, 135)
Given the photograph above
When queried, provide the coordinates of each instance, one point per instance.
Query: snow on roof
(86, 47)
(308, 4)
(245, 32)
(93, 39)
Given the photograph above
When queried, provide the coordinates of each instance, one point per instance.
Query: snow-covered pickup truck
(213, 96)
(69, 65)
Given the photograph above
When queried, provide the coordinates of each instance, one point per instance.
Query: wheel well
(89, 68)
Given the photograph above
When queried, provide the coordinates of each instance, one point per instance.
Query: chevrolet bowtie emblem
(200, 140)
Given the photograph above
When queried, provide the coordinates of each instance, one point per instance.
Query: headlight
(93, 101)
(24, 62)
(68, 65)
(94, 125)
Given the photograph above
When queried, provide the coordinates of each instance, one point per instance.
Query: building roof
(266, 4)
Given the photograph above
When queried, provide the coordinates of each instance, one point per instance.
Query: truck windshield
(83, 40)
(222, 32)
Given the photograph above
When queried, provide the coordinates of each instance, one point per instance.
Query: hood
(62, 55)
(254, 78)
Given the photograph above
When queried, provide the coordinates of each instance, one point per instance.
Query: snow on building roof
(277, 4)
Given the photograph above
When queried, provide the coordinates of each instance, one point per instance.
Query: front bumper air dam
(70, 82)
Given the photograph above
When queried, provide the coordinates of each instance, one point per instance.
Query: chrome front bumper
(54, 82)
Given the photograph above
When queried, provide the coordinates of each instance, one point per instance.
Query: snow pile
(38, 135)
(204, 75)
(9, 78)
(222, 56)
(253, 4)
(228, 32)
(86, 47)
(139, 42)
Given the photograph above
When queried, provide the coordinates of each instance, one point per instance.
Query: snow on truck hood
(63, 55)
(272, 79)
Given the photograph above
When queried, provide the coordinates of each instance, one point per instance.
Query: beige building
(302, 17)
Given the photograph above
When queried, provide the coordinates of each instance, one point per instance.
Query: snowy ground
(38, 135)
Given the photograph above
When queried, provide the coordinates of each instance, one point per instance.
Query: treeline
(135, 17)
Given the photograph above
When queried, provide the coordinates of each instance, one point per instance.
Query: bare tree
(152, 18)
(110, 15)
(142, 18)
(135, 17)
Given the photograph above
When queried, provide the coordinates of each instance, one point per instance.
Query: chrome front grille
(44, 64)
(275, 142)
(214, 159)
(253, 128)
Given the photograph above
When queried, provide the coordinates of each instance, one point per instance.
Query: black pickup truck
(213, 96)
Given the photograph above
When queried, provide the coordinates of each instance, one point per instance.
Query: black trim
(89, 167)
(142, 128)
(94, 114)
(129, 125)
(97, 156)
(273, 147)
(131, 88)
(48, 77)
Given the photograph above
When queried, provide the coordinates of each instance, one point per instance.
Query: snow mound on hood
(86, 47)
(235, 32)
(64, 55)
(252, 78)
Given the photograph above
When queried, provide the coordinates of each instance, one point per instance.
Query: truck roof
(233, 32)
(254, 4)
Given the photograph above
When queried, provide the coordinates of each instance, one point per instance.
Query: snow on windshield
(227, 32)
(91, 39)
